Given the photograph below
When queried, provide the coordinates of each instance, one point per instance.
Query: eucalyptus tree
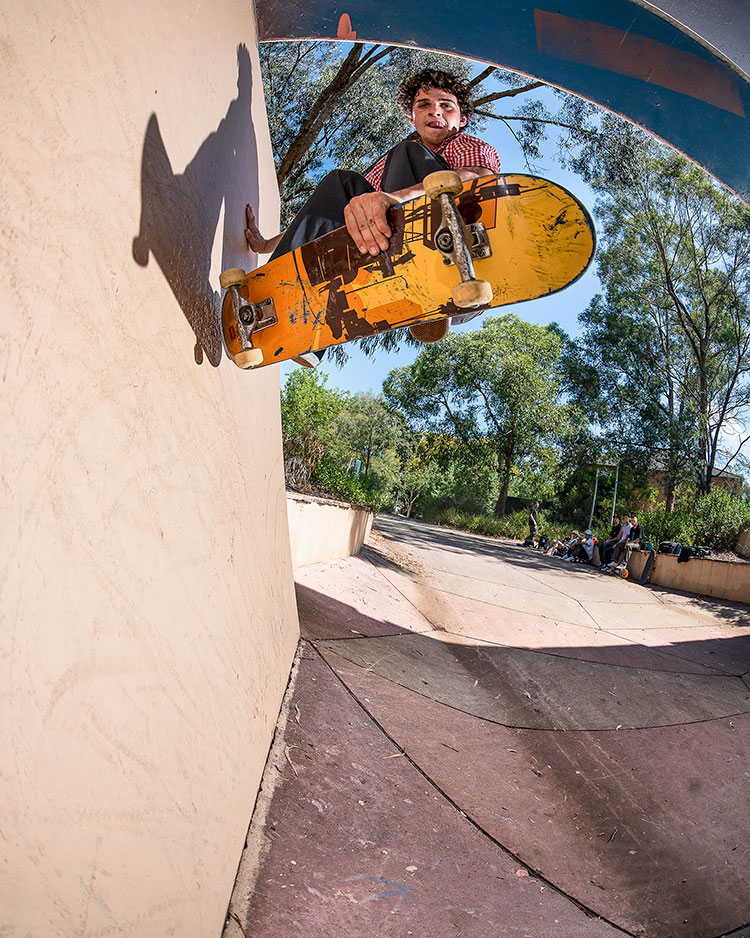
(666, 346)
(499, 385)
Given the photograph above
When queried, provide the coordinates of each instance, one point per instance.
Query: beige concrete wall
(148, 618)
(322, 529)
(719, 578)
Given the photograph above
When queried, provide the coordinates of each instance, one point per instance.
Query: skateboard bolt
(445, 240)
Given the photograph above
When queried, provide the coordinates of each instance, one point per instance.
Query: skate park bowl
(679, 69)
(147, 592)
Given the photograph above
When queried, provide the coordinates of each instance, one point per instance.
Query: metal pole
(614, 497)
(593, 503)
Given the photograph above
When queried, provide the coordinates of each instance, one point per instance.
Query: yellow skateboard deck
(540, 239)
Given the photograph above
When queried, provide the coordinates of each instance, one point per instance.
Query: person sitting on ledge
(558, 548)
(584, 551)
(606, 547)
(438, 106)
(633, 542)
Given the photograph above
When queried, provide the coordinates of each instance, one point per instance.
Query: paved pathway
(483, 742)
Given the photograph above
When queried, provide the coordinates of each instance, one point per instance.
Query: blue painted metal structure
(632, 59)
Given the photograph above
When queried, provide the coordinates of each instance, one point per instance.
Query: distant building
(730, 481)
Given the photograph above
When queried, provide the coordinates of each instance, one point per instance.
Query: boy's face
(436, 116)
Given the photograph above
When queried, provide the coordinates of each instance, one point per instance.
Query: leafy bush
(336, 481)
(715, 520)
(309, 412)
(514, 526)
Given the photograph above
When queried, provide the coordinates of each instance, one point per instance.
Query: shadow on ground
(438, 782)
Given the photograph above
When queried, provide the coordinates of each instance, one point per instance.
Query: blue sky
(361, 373)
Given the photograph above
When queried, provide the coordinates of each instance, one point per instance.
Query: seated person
(559, 548)
(622, 540)
(606, 547)
(584, 551)
(624, 550)
(438, 106)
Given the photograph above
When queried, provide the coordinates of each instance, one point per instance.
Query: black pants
(580, 554)
(605, 552)
(406, 165)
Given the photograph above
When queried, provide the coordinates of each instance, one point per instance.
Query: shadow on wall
(180, 212)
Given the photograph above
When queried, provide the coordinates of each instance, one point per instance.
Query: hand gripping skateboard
(486, 243)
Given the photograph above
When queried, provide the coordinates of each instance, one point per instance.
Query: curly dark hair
(434, 78)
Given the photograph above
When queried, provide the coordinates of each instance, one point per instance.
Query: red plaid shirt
(459, 151)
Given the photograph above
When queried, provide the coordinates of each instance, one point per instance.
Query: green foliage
(309, 413)
(367, 427)
(496, 389)
(715, 520)
(325, 431)
(514, 526)
(332, 478)
(663, 361)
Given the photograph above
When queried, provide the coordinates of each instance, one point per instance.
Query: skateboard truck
(479, 247)
(248, 318)
(452, 240)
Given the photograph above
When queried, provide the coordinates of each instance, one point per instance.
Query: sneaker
(432, 331)
(309, 359)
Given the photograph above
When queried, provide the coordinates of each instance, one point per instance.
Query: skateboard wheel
(233, 276)
(249, 358)
(625, 574)
(432, 331)
(471, 293)
(445, 181)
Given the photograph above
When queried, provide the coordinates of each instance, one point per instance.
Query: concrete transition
(324, 529)
(484, 741)
(146, 594)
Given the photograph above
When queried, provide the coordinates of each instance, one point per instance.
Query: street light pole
(614, 497)
(593, 503)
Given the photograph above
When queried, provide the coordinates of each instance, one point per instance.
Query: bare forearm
(465, 173)
(365, 215)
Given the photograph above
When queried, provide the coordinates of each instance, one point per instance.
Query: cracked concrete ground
(482, 741)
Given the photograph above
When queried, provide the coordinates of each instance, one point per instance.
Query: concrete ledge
(323, 529)
(719, 578)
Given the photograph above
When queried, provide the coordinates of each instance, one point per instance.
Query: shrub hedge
(714, 520)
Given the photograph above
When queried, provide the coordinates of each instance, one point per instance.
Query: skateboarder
(438, 107)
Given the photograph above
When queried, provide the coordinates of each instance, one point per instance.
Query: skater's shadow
(180, 212)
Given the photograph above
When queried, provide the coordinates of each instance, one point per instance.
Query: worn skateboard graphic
(512, 238)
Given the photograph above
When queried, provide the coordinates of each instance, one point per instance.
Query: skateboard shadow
(180, 211)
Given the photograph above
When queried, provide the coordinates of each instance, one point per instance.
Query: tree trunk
(349, 72)
(669, 496)
(507, 462)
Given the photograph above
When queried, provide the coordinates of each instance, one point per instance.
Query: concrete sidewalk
(483, 741)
